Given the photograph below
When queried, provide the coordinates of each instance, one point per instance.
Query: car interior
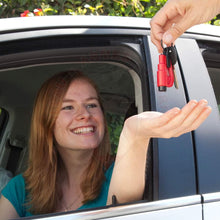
(23, 71)
(18, 90)
(215, 79)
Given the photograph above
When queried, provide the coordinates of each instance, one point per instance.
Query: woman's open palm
(173, 123)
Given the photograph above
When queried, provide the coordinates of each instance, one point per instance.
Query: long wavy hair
(45, 165)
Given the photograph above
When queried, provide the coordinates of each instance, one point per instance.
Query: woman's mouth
(84, 130)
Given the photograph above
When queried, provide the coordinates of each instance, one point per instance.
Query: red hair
(45, 165)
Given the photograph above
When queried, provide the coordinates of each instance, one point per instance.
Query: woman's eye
(93, 105)
(69, 107)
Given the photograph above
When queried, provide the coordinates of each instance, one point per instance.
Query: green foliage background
(139, 8)
(132, 8)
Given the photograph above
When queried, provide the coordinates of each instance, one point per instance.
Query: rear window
(211, 55)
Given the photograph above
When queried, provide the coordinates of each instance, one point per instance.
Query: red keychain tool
(166, 74)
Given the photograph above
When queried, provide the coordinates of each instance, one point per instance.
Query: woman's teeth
(83, 130)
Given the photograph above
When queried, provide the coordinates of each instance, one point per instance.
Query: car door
(174, 159)
(196, 157)
(198, 82)
(188, 207)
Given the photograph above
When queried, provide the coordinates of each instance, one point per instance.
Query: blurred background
(131, 8)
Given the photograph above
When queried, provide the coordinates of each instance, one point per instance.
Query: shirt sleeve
(14, 191)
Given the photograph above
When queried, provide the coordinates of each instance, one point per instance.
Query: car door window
(211, 55)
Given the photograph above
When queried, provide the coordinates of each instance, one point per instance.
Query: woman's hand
(128, 178)
(173, 123)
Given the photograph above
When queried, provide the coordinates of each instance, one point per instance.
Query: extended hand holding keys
(176, 16)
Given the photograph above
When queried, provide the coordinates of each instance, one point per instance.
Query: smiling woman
(69, 148)
(81, 117)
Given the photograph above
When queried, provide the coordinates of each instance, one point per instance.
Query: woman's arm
(7, 210)
(128, 178)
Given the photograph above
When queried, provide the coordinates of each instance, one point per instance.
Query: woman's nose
(82, 113)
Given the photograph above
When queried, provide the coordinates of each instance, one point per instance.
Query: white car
(182, 174)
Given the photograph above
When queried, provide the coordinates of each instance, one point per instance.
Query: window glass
(215, 79)
(211, 55)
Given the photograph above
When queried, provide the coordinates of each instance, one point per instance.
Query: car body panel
(170, 209)
(170, 152)
(206, 137)
(211, 206)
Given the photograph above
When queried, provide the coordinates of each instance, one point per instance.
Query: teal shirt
(15, 192)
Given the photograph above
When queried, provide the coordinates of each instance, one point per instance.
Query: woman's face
(80, 123)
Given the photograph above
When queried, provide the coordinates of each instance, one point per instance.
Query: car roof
(87, 21)
(56, 21)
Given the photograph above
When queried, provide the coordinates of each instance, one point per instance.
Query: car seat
(5, 177)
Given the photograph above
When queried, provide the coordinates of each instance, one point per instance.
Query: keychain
(166, 76)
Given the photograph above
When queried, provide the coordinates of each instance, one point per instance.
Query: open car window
(116, 66)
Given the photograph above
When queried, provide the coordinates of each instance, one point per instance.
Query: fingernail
(176, 110)
(167, 38)
(209, 108)
(203, 102)
(193, 102)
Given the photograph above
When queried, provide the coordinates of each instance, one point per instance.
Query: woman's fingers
(194, 114)
(182, 116)
(202, 117)
(172, 123)
(195, 119)
(190, 118)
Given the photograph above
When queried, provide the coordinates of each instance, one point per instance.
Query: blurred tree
(132, 8)
(115, 124)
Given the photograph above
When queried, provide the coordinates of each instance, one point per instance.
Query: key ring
(161, 42)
